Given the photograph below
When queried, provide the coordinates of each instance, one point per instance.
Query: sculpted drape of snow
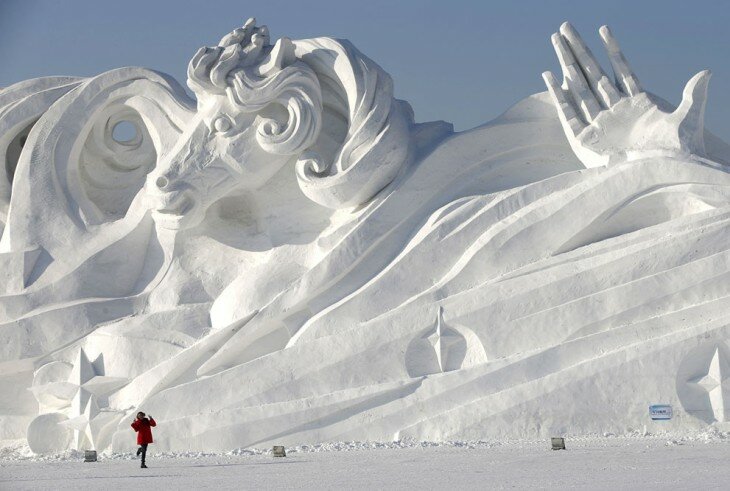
(377, 141)
(21, 105)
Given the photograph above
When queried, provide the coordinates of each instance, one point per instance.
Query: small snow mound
(19, 450)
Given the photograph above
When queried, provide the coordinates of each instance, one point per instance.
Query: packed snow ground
(698, 462)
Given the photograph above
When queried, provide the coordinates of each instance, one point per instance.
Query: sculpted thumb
(690, 114)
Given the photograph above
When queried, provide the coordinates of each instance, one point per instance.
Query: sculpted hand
(608, 122)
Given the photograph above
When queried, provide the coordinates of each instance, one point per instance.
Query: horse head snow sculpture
(319, 102)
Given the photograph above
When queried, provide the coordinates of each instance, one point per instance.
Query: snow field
(698, 462)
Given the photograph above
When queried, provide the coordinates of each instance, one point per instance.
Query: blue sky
(462, 61)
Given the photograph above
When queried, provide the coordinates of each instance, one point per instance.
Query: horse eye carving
(222, 124)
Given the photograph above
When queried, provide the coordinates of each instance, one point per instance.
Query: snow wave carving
(289, 258)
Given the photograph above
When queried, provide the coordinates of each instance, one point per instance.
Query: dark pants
(142, 451)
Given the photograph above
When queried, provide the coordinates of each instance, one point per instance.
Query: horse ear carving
(282, 55)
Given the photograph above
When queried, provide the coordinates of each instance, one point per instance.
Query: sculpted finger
(625, 77)
(602, 87)
(574, 80)
(567, 113)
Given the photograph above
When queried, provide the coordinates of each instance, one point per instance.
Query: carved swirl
(296, 88)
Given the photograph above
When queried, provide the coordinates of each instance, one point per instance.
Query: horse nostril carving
(162, 182)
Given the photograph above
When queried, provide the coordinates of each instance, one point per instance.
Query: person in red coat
(143, 427)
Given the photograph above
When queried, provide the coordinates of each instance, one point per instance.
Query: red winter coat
(143, 427)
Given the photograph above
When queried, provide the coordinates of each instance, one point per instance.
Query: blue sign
(660, 412)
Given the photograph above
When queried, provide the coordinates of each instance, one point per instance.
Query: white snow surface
(589, 462)
(291, 259)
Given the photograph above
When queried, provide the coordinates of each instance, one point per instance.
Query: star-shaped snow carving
(84, 415)
(90, 423)
(716, 381)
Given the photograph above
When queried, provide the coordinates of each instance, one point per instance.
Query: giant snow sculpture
(290, 258)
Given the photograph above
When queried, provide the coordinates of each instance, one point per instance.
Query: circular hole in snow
(124, 132)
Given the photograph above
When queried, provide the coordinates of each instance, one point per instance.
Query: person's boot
(139, 451)
(143, 466)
